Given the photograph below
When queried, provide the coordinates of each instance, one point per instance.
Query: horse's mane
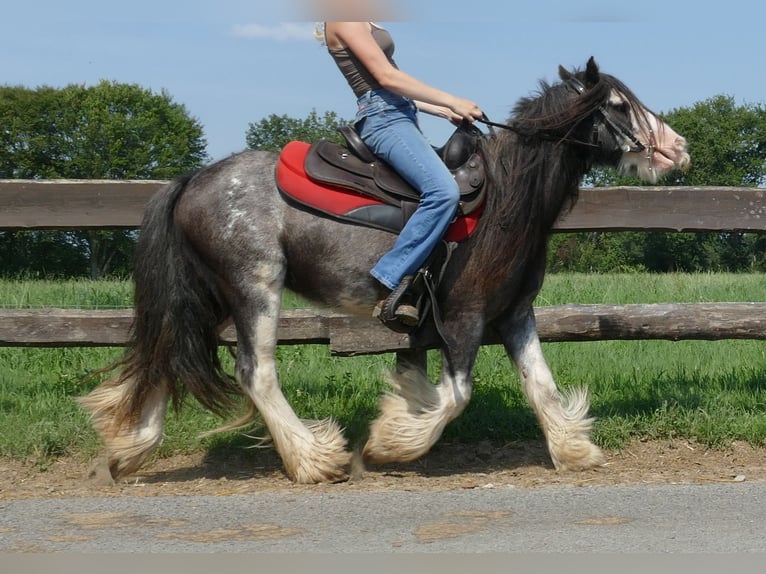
(534, 171)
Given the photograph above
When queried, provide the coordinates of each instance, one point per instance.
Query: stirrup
(395, 313)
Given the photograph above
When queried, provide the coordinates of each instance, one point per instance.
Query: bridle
(616, 127)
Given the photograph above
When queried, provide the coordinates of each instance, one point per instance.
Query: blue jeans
(388, 124)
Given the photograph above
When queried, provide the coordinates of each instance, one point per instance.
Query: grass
(711, 392)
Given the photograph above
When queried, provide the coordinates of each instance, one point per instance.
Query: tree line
(106, 131)
(727, 143)
(123, 131)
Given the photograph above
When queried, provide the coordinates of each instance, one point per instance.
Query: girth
(355, 167)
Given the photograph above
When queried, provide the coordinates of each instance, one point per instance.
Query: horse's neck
(514, 233)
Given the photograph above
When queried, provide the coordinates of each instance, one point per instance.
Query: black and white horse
(221, 244)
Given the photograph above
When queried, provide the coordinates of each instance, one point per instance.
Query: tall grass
(712, 392)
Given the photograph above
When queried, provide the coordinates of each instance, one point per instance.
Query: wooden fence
(96, 204)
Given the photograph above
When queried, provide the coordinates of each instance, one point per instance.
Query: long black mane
(536, 168)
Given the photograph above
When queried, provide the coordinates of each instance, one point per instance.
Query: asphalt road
(716, 518)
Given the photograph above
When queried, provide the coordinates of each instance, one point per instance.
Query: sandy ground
(449, 466)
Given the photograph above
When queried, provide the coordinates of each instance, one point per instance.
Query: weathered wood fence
(96, 204)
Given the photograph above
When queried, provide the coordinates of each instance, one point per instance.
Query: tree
(274, 132)
(107, 131)
(727, 143)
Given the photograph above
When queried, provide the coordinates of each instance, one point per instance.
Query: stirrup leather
(396, 313)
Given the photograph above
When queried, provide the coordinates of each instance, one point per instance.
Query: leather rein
(616, 127)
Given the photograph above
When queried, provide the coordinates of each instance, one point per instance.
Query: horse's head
(621, 130)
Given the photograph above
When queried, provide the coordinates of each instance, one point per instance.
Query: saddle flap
(329, 162)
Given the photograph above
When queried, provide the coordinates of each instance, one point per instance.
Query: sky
(232, 63)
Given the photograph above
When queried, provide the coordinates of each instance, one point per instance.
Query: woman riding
(388, 100)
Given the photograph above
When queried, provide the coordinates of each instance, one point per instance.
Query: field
(711, 393)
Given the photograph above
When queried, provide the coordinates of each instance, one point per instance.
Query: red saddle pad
(339, 202)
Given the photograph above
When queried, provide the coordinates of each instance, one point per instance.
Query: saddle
(353, 166)
(348, 183)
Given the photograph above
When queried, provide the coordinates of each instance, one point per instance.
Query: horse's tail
(173, 345)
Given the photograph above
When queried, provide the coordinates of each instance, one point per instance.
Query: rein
(485, 120)
(616, 127)
(545, 136)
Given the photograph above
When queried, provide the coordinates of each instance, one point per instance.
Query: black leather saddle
(354, 166)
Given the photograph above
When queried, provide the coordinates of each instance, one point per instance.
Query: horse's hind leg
(562, 416)
(311, 452)
(128, 439)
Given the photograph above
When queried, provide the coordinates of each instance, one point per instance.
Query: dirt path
(448, 466)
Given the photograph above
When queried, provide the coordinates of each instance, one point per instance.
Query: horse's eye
(622, 106)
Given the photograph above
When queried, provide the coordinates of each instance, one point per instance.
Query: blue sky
(233, 62)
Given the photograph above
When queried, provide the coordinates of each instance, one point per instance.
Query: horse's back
(231, 208)
(234, 217)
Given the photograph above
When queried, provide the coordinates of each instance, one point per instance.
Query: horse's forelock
(641, 112)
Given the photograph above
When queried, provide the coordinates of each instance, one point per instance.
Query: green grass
(71, 294)
(711, 392)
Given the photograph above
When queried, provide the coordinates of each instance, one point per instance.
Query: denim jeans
(388, 124)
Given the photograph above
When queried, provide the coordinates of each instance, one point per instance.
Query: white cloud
(283, 32)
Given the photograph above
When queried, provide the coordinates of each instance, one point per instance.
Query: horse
(219, 245)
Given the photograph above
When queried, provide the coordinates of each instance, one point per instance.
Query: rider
(388, 100)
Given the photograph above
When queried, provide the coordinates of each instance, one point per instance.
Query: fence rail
(347, 335)
(110, 204)
(99, 204)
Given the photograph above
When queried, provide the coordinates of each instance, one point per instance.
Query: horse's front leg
(414, 413)
(562, 416)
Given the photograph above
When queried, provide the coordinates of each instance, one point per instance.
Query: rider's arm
(440, 111)
(356, 37)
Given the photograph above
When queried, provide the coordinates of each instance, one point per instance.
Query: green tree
(727, 143)
(107, 131)
(274, 132)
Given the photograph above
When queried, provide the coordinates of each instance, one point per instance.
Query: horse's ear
(591, 72)
(564, 74)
